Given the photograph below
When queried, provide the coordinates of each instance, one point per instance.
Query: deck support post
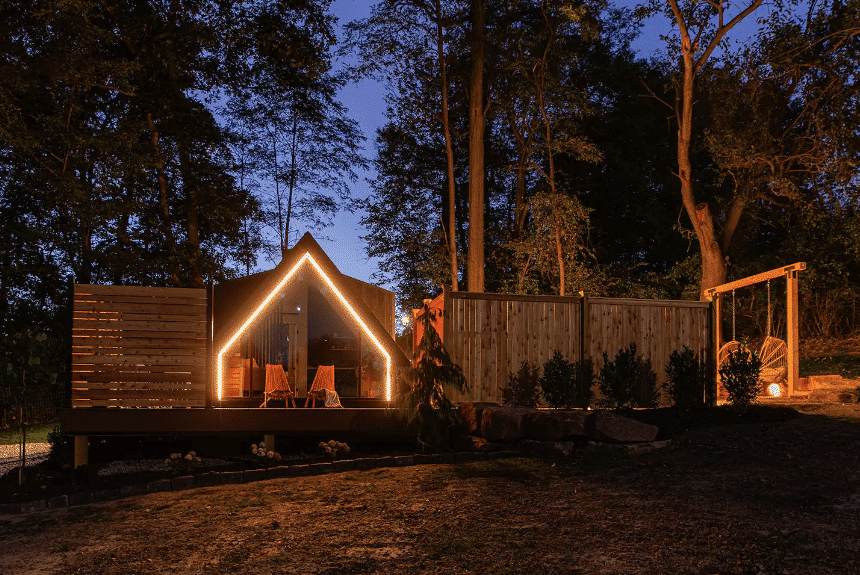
(82, 450)
(269, 440)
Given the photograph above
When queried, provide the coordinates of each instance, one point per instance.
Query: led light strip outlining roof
(281, 284)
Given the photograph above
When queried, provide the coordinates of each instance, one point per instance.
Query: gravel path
(10, 455)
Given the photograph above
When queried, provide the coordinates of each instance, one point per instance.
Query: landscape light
(774, 390)
(281, 284)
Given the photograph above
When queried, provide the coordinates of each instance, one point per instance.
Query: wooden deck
(220, 421)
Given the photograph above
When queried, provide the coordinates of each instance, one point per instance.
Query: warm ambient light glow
(281, 284)
(774, 390)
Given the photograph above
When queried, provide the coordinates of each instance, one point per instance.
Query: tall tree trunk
(192, 212)
(449, 151)
(713, 261)
(163, 196)
(559, 253)
(524, 144)
(713, 257)
(293, 152)
(476, 149)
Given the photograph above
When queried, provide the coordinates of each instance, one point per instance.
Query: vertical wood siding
(492, 334)
(139, 347)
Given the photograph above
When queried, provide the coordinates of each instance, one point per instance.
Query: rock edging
(553, 433)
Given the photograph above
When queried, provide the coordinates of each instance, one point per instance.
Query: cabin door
(290, 355)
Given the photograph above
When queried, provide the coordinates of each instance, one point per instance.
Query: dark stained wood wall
(139, 347)
(379, 301)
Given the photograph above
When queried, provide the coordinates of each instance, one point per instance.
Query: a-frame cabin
(197, 359)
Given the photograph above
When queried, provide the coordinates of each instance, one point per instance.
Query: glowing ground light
(774, 390)
(281, 284)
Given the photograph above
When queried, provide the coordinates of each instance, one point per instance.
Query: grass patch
(35, 434)
(520, 470)
(448, 542)
(847, 366)
(672, 422)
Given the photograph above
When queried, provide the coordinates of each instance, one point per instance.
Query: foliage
(61, 447)
(523, 386)
(848, 366)
(689, 374)
(558, 225)
(740, 377)
(567, 384)
(432, 373)
(628, 381)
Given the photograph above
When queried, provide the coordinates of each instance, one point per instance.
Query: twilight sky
(366, 104)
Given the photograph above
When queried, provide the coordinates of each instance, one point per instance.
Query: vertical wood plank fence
(139, 346)
(490, 335)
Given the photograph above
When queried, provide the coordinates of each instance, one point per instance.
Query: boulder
(471, 412)
(608, 426)
(544, 425)
(472, 444)
(503, 423)
(548, 449)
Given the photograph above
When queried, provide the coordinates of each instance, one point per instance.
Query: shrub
(740, 375)
(567, 384)
(688, 373)
(628, 381)
(61, 448)
(432, 373)
(522, 386)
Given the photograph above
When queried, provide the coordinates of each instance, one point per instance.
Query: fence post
(67, 387)
(210, 360)
(584, 328)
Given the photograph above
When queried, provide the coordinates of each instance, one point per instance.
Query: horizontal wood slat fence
(139, 346)
(490, 335)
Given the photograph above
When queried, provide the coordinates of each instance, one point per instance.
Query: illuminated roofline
(281, 284)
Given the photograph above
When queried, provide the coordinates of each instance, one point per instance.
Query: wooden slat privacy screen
(139, 346)
(490, 335)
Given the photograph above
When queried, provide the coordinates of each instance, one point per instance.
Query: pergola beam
(750, 280)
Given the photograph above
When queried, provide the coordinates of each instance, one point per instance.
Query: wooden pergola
(792, 339)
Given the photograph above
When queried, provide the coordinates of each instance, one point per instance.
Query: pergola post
(717, 334)
(792, 331)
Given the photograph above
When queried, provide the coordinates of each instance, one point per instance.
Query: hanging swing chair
(774, 357)
(730, 346)
(773, 354)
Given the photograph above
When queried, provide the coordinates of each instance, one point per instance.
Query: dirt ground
(774, 498)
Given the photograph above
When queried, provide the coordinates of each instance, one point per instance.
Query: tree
(433, 374)
(390, 42)
(781, 134)
(477, 121)
(701, 28)
(305, 147)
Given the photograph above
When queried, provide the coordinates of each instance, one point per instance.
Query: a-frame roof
(253, 299)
